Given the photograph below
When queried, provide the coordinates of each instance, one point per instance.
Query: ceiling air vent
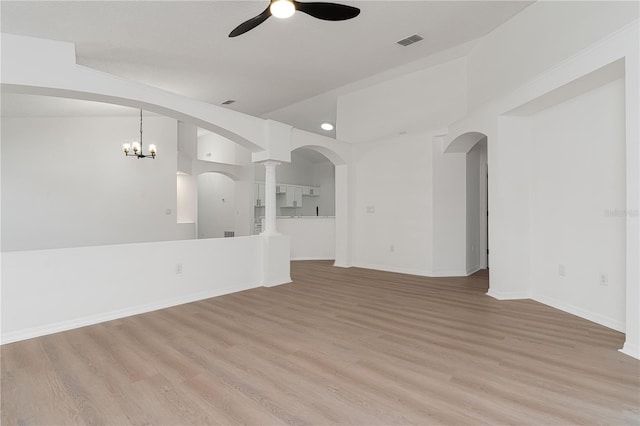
(228, 102)
(410, 40)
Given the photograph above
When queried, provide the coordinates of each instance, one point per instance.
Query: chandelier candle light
(137, 146)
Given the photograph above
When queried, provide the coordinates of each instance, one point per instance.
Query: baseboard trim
(312, 258)
(30, 333)
(398, 270)
(419, 272)
(580, 312)
(631, 350)
(450, 273)
(473, 270)
(514, 295)
(277, 282)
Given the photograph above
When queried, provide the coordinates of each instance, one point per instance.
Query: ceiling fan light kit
(286, 8)
(282, 8)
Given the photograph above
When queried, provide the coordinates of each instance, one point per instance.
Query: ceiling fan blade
(327, 11)
(251, 23)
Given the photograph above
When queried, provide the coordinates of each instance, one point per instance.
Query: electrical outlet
(561, 270)
(371, 209)
(392, 248)
(178, 268)
(604, 279)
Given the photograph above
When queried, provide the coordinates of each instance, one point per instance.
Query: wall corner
(276, 268)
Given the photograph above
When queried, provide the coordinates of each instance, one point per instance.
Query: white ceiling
(182, 46)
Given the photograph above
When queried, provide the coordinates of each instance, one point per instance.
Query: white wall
(187, 199)
(67, 183)
(423, 100)
(395, 171)
(244, 204)
(449, 212)
(391, 193)
(509, 208)
(325, 179)
(187, 206)
(578, 180)
(75, 287)
(216, 148)
(311, 238)
(187, 141)
(536, 39)
(216, 205)
(409, 206)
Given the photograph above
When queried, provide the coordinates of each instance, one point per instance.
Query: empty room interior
(290, 212)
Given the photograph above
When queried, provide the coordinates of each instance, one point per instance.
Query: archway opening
(305, 204)
(476, 247)
(477, 214)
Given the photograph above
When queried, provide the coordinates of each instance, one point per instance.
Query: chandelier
(136, 146)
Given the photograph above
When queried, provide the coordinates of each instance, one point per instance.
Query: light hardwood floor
(337, 346)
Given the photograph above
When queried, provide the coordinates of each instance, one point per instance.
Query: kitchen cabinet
(311, 191)
(293, 196)
(289, 196)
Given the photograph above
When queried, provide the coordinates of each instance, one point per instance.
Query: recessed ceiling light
(326, 126)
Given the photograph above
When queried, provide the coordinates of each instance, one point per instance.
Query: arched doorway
(474, 146)
(337, 155)
(305, 204)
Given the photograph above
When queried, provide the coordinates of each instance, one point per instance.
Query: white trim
(277, 282)
(29, 333)
(419, 272)
(313, 258)
(450, 273)
(473, 270)
(632, 351)
(398, 270)
(580, 312)
(513, 295)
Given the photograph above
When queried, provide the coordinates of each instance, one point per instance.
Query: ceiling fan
(286, 8)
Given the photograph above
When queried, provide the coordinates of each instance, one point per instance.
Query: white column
(270, 198)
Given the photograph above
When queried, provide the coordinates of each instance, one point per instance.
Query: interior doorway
(474, 146)
(477, 256)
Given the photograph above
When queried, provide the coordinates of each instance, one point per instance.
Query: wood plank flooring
(337, 346)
